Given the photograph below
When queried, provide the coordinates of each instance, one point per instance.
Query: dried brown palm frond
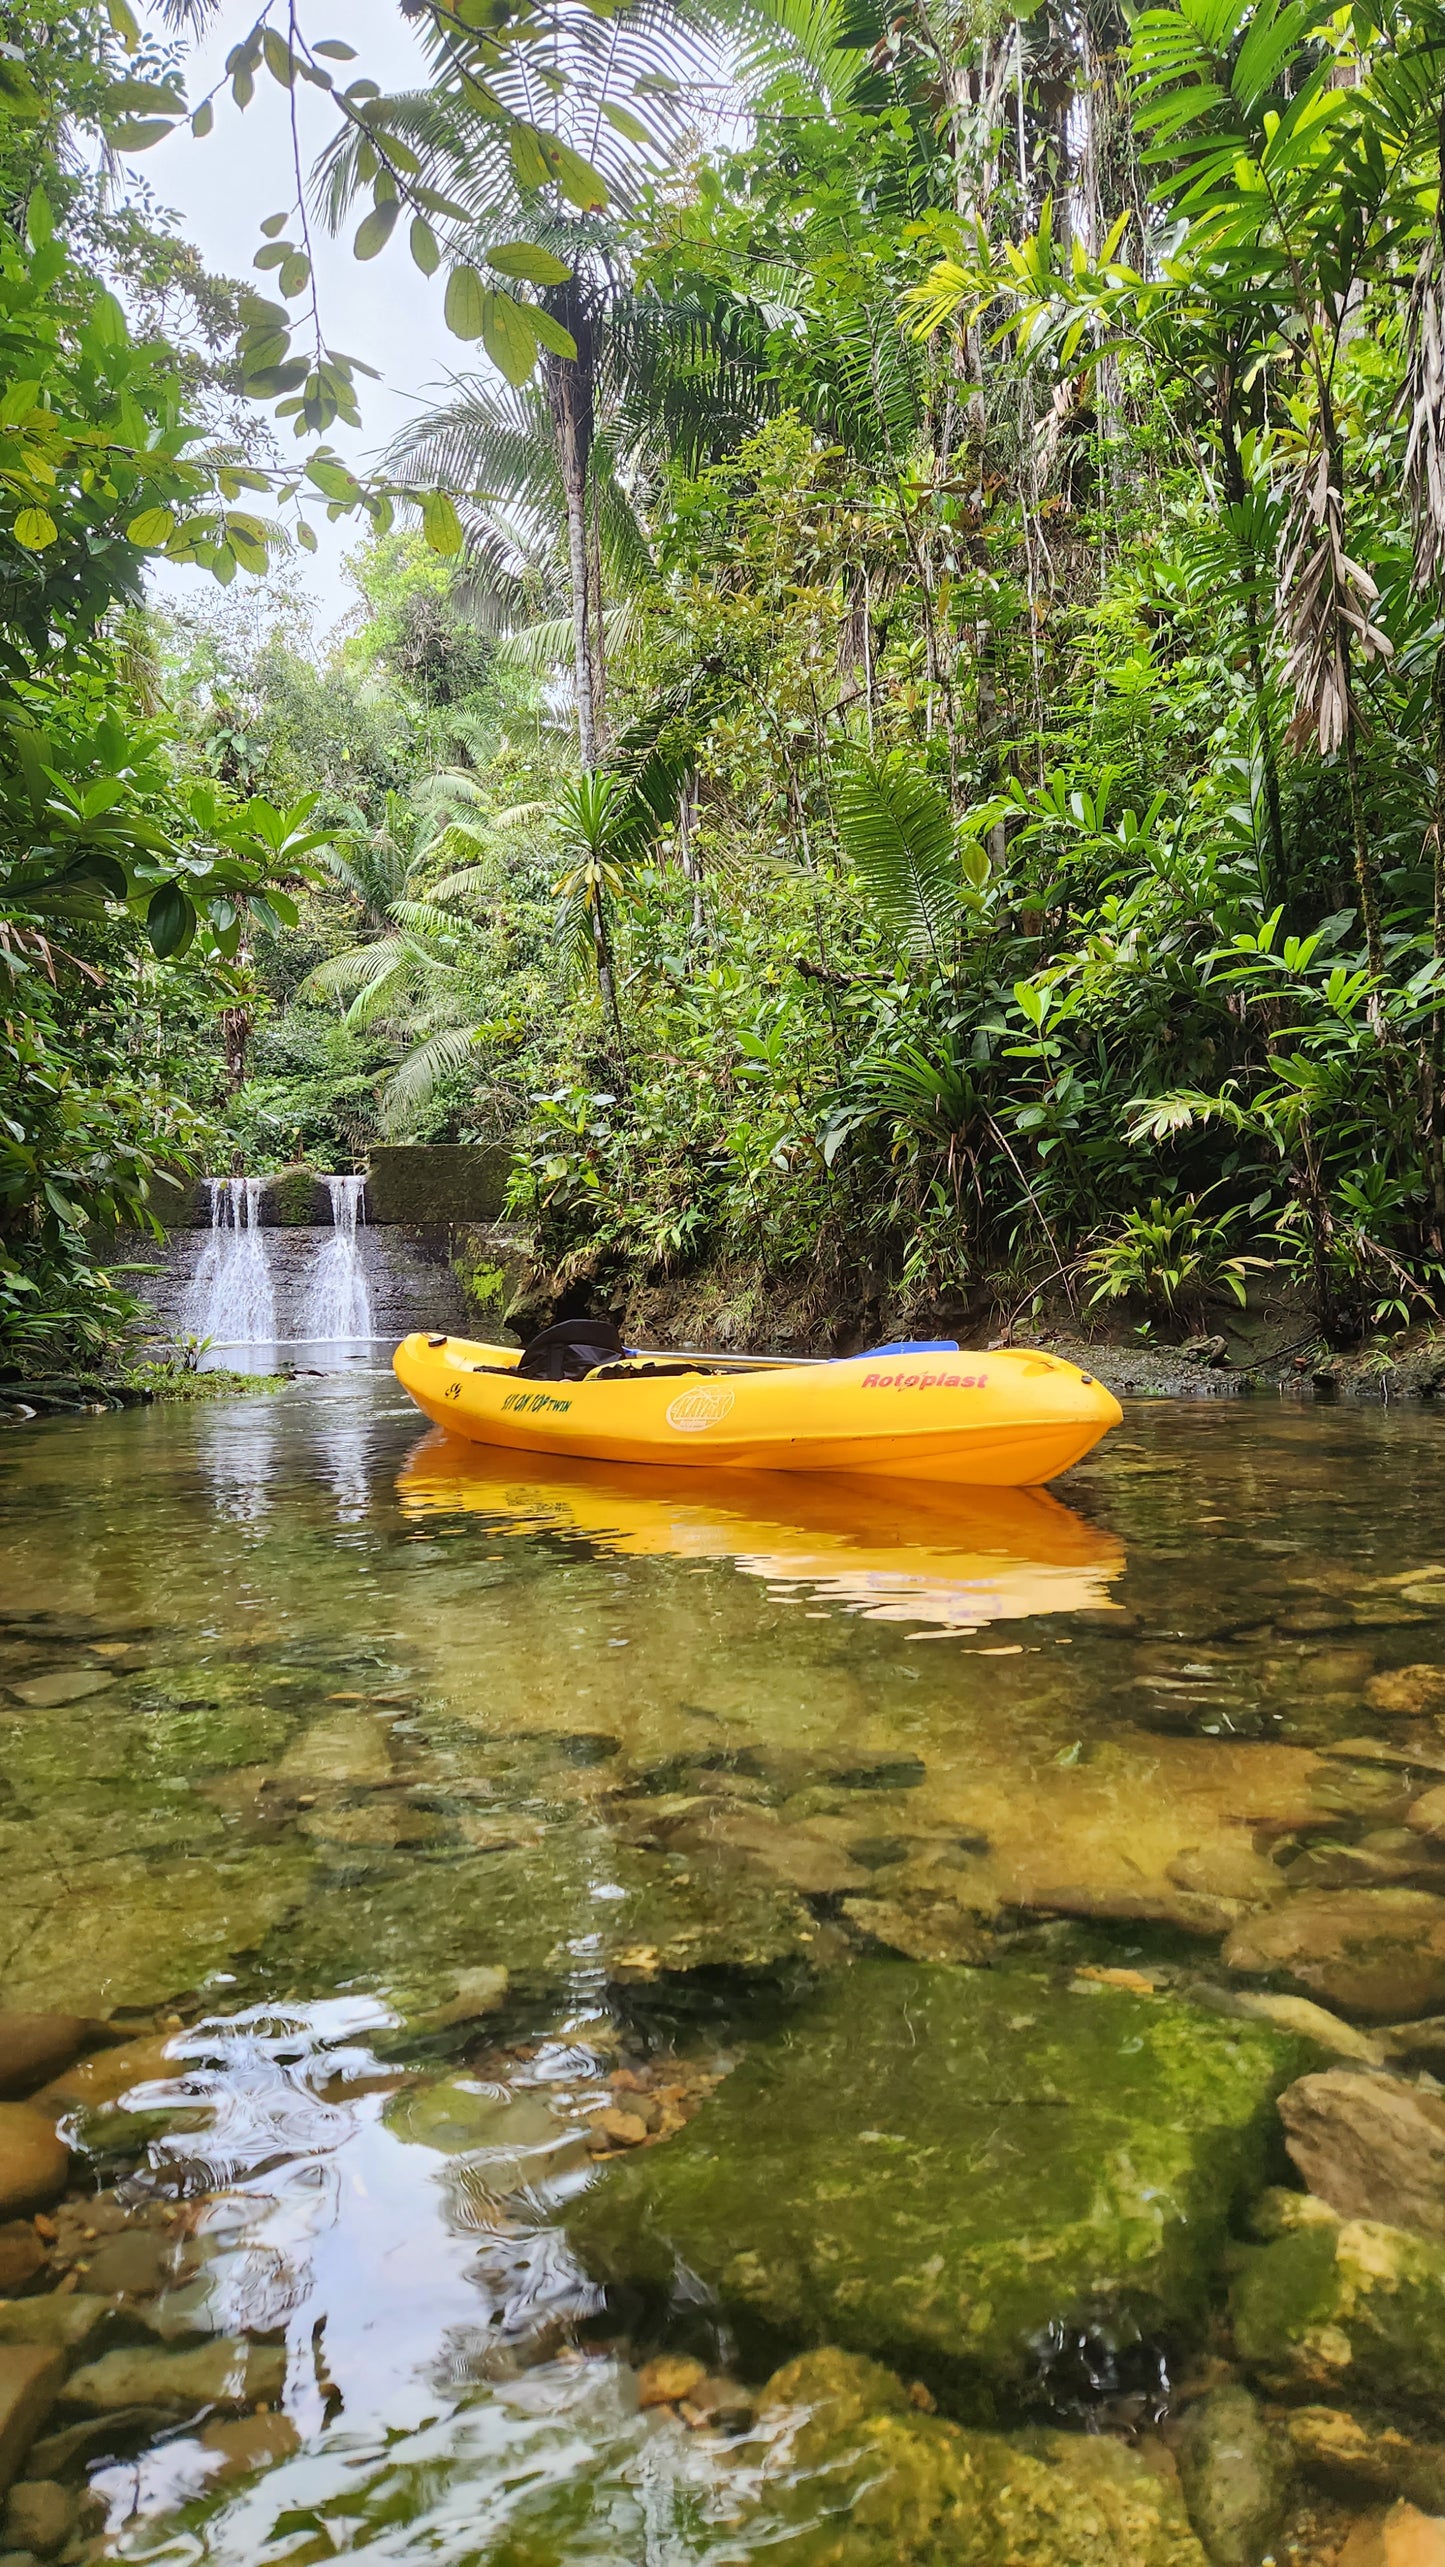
(1423, 400)
(1324, 600)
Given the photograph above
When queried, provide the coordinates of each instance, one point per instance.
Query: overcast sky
(383, 311)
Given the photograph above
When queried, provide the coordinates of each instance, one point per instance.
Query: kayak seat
(569, 1350)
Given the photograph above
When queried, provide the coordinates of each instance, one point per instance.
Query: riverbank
(1274, 1344)
(126, 1386)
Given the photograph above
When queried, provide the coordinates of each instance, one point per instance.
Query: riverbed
(635, 2022)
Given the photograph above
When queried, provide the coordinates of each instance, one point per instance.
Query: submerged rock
(64, 2319)
(23, 2256)
(34, 2164)
(1235, 2476)
(242, 2444)
(415, 1928)
(39, 2517)
(36, 2046)
(63, 1685)
(941, 2164)
(131, 1932)
(1372, 2147)
(1315, 2023)
(1346, 2308)
(1379, 1952)
(1407, 1692)
(861, 2479)
(1370, 2458)
(1403, 2537)
(230, 2372)
(30, 2376)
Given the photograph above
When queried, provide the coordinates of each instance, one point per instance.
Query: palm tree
(626, 376)
(607, 833)
(408, 962)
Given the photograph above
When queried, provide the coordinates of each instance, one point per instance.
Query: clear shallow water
(431, 1809)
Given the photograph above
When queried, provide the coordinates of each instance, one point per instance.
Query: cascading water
(232, 1300)
(338, 1305)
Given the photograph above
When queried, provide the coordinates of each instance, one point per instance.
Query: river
(663, 2024)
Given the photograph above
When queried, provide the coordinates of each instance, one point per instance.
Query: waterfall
(338, 1305)
(232, 1300)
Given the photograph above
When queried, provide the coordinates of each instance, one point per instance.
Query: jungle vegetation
(894, 721)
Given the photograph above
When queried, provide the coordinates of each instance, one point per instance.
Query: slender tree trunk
(596, 634)
(1254, 651)
(1366, 877)
(1434, 1117)
(570, 387)
(607, 980)
(687, 849)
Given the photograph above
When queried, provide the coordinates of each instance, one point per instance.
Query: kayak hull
(1012, 1419)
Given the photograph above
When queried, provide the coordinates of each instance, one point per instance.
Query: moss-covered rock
(863, 2480)
(1348, 2309)
(428, 1184)
(940, 2166)
(295, 1199)
(1235, 2472)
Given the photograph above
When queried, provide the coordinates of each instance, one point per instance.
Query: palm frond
(415, 1082)
(898, 835)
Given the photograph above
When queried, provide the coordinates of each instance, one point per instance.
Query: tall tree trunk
(570, 384)
(607, 979)
(596, 636)
(1234, 484)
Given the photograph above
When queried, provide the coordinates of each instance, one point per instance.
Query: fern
(897, 834)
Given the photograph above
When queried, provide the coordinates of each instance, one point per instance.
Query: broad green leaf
(305, 536)
(170, 920)
(440, 523)
(530, 262)
(137, 134)
(295, 274)
(424, 246)
(274, 226)
(465, 303)
(203, 120)
(529, 164)
(550, 334)
(623, 122)
(580, 183)
(278, 57)
(18, 403)
(142, 97)
(332, 479)
(35, 528)
(152, 529)
(123, 24)
(508, 336)
(334, 50)
(377, 228)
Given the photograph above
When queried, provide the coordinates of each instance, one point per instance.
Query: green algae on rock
(940, 2165)
(1235, 2473)
(863, 2480)
(1345, 2308)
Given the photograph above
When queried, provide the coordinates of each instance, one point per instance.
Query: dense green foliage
(929, 768)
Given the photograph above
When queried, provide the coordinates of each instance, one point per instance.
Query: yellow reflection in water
(911, 1552)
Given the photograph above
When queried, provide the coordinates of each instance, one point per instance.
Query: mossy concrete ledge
(960, 2172)
(427, 1184)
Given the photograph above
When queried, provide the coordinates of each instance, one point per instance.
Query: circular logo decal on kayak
(692, 1410)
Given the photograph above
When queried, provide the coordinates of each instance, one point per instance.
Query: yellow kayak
(1007, 1420)
(932, 1555)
